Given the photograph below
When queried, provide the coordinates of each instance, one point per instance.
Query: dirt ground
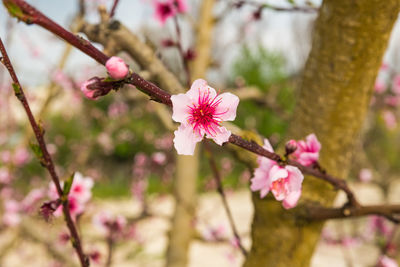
(15, 252)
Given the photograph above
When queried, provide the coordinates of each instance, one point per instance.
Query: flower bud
(117, 68)
(290, 147)
(95, 87)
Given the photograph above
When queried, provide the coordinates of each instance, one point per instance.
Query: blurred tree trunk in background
(185, 183)
(349, 40)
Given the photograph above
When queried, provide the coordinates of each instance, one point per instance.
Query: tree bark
(349, 40)
(181, 233)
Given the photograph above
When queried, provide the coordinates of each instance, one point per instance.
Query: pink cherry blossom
(380, 86)
(33, 197)
(5, 176)
(21, 156)
(365, 175)
(164, 10)
(390, 119)
(393, 101)
(89, 93)
(117, 68)
(181, 6)
(385, 261)
(79, 194)
(283, 181)
(307, 152)
(159, 158)
(200, 112)
(11, 216)
(396, 85)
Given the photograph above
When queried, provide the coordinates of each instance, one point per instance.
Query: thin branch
(347, 211)
(180, 49)
(46, 159)
(221, 192)
(114, 7)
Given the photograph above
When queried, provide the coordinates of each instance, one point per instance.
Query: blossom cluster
(285, 181)
(168, 9)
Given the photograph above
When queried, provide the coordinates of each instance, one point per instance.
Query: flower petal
(291, 200)
(198, 86)
(226, 109)
(185, 140)
(312, 143)
(180, 109)
(267, 145)
(277, 172)
(295, 178)
(222, 135)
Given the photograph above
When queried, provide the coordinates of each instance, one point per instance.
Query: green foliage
(266, 71)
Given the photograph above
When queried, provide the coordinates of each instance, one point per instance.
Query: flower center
(279, 186)
(203, 116)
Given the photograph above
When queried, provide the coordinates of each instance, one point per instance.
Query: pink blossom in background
(139, 188)
(378, 225)
(11, 216)
(29, 202)
(396, 85)
(117, 68)
(64, 238)
(212, 233)
(95, 256)
(89, 93)
(393, 101)
(164, 10)
(200, 112)
(385, 261)
(21, 156)
(284, 181)
(159, 157)
(117, 109)
(181, 6)
(5, 176)
(390, 119)
(307, 152)
(380, 86)
(365, 175)
(5, 156)
(62, 80)
(112, 226)
(78, 197)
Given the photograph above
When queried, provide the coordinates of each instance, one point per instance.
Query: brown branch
(114, 7)
(181, 52)
(348, 211)
(46, 159)
(220, 190)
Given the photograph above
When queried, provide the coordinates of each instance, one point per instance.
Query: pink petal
(221, 136)
(291, 200)
(295, 178)
(180, 109)
(267, 145)
(277, 172)
(227, 107)
(260, 181)
(200, 88)
(312, 143)
(185, 140)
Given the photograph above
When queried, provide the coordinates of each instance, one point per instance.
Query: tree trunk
(349, 40)
(187, 166)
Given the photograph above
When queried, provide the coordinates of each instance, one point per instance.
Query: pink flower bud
(117, 68)
(365, 175)
(89, 93)
(290, 146)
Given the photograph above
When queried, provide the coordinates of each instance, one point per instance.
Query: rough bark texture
(349, 41)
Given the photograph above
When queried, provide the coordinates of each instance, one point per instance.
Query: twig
(114, 7)
(347, 211)
(46, 159)
(110, 245)
(181, 52)
(221, 192)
